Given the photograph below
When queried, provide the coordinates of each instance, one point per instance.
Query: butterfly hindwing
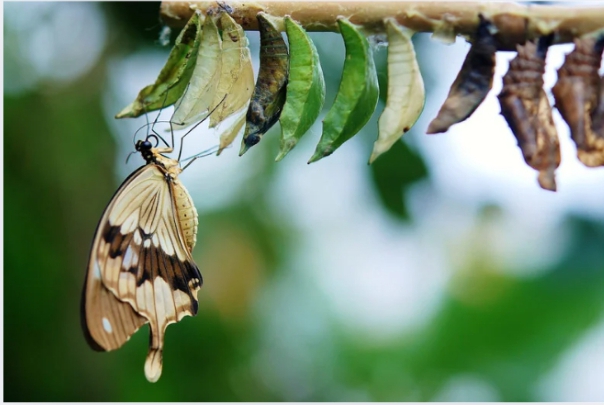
(109, 322)
(143, 258)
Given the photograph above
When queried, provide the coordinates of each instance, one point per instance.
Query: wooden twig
(515, 22)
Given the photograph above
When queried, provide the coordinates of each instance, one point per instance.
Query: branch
(515, 22)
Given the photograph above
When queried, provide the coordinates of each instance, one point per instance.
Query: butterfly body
(141, 269)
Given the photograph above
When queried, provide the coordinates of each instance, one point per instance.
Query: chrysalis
(576, 94)
(175, 75)
(357, 95)
(525, 107)
(473, 82)
(406, 95)
(269, 93)
(236, 82)
(597, 123)
(305, 92)
(194, 105)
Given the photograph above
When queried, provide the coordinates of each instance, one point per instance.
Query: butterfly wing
(144, 261)
(107, 322)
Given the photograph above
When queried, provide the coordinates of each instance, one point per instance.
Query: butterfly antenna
(193, 158)
(146, 115)
(179, 103)
(156, 121)
(196, 125)
(145, 126)
(180, 100)
(130, 154)
(156, 136)
(176, 107)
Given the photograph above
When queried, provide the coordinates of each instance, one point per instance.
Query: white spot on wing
(127, 262)
(107, 325)
(137, 237)
(134, 259)
(147, 243)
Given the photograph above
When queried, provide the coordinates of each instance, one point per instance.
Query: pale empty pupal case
(236, 82)
(194, 105)
(406, 95)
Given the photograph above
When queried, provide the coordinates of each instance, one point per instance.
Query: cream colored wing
(108, 322)
(143, 260)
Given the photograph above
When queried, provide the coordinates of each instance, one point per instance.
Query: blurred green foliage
(59, 158)
(393, 173)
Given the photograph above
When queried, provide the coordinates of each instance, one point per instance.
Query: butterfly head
(146, 149)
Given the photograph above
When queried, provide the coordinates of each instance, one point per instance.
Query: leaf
(406, 94)
(525, 107)
(576, 93)
(305, 88)
(269, 94)
(236, 82)
(194, 105)
(473, 82)
(394, 173)
(357, 96)
(175, 75)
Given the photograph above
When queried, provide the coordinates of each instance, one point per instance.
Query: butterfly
(140, 268)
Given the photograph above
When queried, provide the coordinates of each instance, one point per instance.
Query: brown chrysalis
(576, 93)
(473, 82)
(597, 118)
(525, 107)
(269, 94)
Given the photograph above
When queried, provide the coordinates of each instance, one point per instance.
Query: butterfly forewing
(141, 269)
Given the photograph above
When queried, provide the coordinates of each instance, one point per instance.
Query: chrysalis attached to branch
(175, 75)
(305, 93)
(194, 105)
(473, 82)
(597, 118)
(576, 94)
(357, 95)
(236, 81)
(406, 95)
(269, 94)
(525, 107)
